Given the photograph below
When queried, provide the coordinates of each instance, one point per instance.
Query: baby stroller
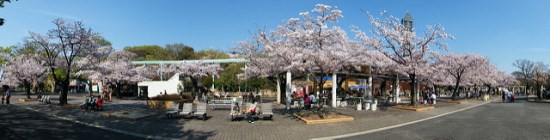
(93, 104)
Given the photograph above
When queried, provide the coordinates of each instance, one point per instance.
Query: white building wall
(154, 88)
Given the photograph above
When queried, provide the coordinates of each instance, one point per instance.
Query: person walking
(512, 98)
(434, 98)
(425, 98)
(7, 95)
(289, 102)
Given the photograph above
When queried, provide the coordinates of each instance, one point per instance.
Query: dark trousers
(307, 106)
(7, 100)
(250, 116)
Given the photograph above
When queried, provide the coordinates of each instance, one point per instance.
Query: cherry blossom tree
(117, 69)
(195, 71)
(89, 65)
(458, 66)
(62, 46)
(26, 70)
(400, 43)
(489, 76)
(312, 44)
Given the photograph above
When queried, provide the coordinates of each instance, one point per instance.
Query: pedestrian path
(219, 126)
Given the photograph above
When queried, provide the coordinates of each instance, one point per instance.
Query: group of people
(508, 97)
(428, 98)
(303, 99)
(475, 95)
(7, 95)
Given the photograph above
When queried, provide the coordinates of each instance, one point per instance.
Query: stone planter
(336, 119)
(28, 100)
(414, 108)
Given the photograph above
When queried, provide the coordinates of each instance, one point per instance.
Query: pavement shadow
(19, 123)
(155, 125)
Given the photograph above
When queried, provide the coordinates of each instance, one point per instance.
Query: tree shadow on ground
(155, 125)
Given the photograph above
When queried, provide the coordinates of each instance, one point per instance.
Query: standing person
(434, 98)
(307, 102)
(513, 98)
(7, 95)
(503, 97)
(300, 99)
(251, 111)
(3, 96)
(509, 95)
(288, 102)
(313, 100)
(425, 97)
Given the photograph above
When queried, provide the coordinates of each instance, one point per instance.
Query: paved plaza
(494, 121)
(219, 126)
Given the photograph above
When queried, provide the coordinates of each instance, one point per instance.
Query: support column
(161, 73)
(334, 86)
(278, 90)
(397, 88)
(370, 89)
(212, 83)
(288, 84)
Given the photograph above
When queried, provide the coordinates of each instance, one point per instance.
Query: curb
(399, 125)
(102, 127)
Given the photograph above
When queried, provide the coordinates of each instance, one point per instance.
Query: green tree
(180, 51)
(149, 52)
(211, 54)
(7, 51)
(102, 41)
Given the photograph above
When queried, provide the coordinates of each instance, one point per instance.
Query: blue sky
(502, 30)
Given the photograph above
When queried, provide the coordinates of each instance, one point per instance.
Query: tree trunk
(321, 86)
(436, 91)
(27, 88)
(455, 92)
(64, 91)
(90, 87)
(195, 87)
(413, 90)
(118, 86)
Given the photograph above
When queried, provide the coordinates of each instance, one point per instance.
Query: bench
(200, 111)
(221, 104)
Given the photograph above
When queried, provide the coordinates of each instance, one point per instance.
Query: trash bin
(373, 105)
(367, 106)
(359, 107)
